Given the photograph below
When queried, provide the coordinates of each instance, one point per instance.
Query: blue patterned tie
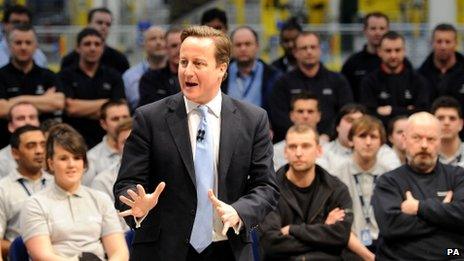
(202, 232)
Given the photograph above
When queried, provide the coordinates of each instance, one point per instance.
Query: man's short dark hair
(291, 24)
(446, 102)
(97, 10)
(173, 30)
(348, 109)
(445, 28)
(303, 96)
(345, 110)
(255, 34)
(376, 15)
(214, 13)
(111, 103)
(16, 9)
(15, 138)
(88, 31)
(22, 28)
(47, 124)
(392, 122)
(392, 35)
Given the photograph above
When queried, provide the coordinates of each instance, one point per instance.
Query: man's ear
(15, 153)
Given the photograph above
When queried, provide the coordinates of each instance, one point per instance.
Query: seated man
(313, 217)
(88, 85)
(360, 171)
(20, 114)
(395, 132)
(340, 149)
(28, 147)
(395, 88)
(105, 180)
(304, 110)
(448, 111)
(105, 154)
(419, 206)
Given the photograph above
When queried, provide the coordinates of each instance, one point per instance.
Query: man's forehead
(23, 110)
(100, 16)
(392, 43)
(300, 137)
(446, 111)
(22, 34)
(32, 136)
(353, 115)
(18, 16)
(91, 38)
(443, 34)
(306, 103)
(375, 21)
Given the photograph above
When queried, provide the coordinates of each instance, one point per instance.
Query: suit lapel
(230, 122)
(178, 126)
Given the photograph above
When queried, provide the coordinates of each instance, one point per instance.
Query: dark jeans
(216, 251)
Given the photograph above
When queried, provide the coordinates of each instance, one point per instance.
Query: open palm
(141, 203)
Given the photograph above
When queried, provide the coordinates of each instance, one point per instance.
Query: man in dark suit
(192, 146)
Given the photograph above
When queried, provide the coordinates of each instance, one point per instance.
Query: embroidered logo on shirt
(442, 193)
(384, 95)
(327, 91)
(462, 89)
(12, 89)
(106, 86)
(39, 90)
(407, 95)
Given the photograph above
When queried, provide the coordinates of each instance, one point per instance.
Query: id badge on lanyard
(366, 236)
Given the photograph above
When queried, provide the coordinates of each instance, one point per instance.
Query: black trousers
(220, 250)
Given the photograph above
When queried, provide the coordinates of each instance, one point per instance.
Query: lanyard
(248, 88)
(21, 181)
(364, 207)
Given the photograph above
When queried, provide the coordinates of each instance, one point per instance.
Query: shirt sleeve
(3, 217)
(117, 92)
(110, 219)
(33, 220)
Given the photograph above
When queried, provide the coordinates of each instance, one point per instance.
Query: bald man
(154, 43)
(419, 206)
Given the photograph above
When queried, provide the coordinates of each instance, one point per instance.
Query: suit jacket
(159, 149)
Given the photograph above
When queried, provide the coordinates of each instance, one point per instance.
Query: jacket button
(192, 212)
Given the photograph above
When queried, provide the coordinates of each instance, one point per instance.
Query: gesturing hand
(337, 214)
(141, 202)
(410, 205)
(227, 213)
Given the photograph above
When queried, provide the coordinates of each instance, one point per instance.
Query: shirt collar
(16, 176)
(107, 149)
(342, 149)
(214, 105)
(354, 169)
(61, 193)
(453, 158)
(252, 72)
